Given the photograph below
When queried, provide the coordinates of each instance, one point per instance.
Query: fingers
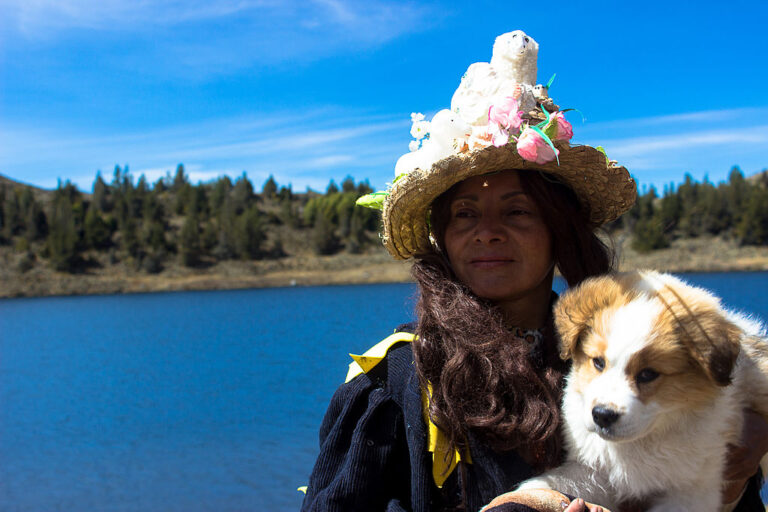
(579, 505)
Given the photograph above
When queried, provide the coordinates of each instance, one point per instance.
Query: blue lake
(192, 401)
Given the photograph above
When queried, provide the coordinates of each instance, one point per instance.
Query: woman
(468, 407)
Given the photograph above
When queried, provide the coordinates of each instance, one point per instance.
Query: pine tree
(286, 193)
(13, 221)
(737, 194)
(219, 194)
(356, 239)
(129, 239)
(180, 178)
(670, 210)
(242, 194)
(62, 238)
(100, 197)
(35, 223)
(269, 190)
(348, 185)
(96, 232)
(649, 235)
(189, 242)
(250, 234)
(324, 239)
(753, 227)
(225, 242)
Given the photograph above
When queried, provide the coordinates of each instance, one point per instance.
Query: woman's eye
(646, 375)
(599, 363)
(518, 212)
(461, 214)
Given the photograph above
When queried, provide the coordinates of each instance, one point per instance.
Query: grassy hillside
(172, 235)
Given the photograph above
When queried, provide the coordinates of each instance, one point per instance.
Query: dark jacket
(374, 457)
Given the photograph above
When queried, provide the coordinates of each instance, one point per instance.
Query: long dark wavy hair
(483, 377)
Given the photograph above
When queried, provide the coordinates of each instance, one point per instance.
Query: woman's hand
(744, 460)
(541, 500)
(579, 505)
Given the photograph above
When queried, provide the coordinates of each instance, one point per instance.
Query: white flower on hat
(416, 117)
(448, 135)
(420, 129)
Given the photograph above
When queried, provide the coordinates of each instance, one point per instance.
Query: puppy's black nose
(603, 416)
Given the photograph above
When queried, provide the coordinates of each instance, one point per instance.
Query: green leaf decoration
(583, 119)
(546, 121)
(374, 201)
(607, 160)
(547, 140)
(549, 82)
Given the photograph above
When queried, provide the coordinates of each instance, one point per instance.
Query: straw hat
(499, 119)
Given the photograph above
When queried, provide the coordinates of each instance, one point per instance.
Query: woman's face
(497, 242)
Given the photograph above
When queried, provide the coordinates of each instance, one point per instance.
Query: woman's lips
(490, 262)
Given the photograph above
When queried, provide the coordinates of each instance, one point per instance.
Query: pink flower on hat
(504, 118)
(532, 147)
(506, 114)
(558, 128)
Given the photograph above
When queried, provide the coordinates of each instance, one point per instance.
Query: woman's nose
(489, 229)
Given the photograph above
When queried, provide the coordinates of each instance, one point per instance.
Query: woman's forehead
(501, 182)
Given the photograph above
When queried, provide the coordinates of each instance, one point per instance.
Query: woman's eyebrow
(513, 194)
(465, 197)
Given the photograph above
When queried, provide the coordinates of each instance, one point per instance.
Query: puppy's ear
(716, 345)
(570, 322)
(711, 338)
(577, 309)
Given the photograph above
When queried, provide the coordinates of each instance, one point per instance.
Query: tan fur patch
(681, 381)
(577, 310)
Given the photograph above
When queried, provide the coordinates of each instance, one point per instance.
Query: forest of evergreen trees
(150, 226)
(736, 209)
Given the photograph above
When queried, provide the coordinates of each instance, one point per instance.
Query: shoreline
(684, 256)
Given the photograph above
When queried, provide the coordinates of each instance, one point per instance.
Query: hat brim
(605, 190)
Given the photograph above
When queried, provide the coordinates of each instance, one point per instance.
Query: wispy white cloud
(740, 137)
(217, 33)
(335, 146)
(201, 40)
(358, 144)
(31, 16)
(661, 149)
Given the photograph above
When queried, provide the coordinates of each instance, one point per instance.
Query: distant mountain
(41, 194)
(760, 177)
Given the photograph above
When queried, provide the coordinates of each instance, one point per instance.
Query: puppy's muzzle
(603, 416)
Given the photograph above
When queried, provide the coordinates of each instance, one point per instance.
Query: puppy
(660, 379)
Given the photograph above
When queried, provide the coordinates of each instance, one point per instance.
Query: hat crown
(499, 119)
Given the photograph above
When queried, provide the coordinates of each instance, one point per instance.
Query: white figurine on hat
(512, 70)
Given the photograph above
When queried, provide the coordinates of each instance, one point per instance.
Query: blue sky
(319, 89)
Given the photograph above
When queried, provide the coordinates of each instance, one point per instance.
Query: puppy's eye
(599, 363)
(646, 375)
